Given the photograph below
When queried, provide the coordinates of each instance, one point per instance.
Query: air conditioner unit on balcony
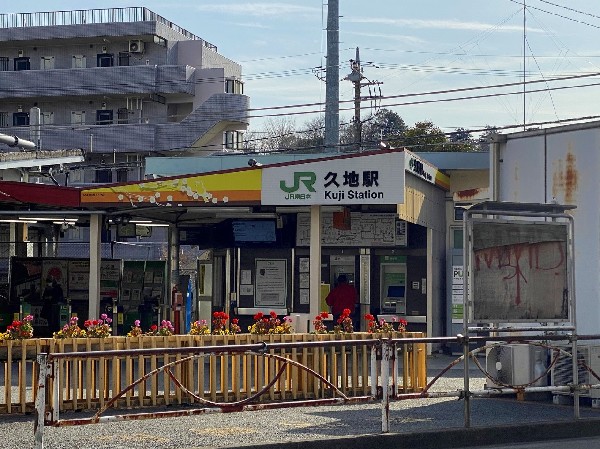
(562, 371)
(515, 364)
(136, 46)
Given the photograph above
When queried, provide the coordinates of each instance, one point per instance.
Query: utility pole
(357, 77)
(332, 86)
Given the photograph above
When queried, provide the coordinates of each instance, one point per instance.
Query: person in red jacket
(343, 296)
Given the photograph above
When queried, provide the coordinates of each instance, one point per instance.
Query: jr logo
(308, 178)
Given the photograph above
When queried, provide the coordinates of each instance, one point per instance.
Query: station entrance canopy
(360, 179)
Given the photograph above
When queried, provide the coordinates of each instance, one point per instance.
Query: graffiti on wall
(522, 280)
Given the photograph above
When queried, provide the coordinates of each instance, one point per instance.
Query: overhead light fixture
(306, 209)
(140, 221)
(65, 222)
(17, 221)
(217, 209)
(68, 220)
(153, 225)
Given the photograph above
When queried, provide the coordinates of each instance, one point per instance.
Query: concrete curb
(452, 438)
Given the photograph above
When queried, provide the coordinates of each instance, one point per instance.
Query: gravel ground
(293, 424)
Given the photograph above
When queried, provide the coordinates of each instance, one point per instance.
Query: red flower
(369, 317)
(346, 312)
(235, 321)
(318, 318)
(273, 314)
(403, 322)
(87, 323)
(95, 322)
(153, 328)
(324, 315)
(258, 316)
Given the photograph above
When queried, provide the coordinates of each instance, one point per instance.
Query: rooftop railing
(91, 16)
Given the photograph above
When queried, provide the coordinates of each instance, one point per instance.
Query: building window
(457, 238)
(21, 119)
(104, 117)
(46, 62)
(234, 86)
(122, 175)
(3, 119)
(124, 58)
(22, 64)
(233, 140)
(458, 213)
(103, 176)
(79, 62)
(47, 118)
(77, 117)
(122, 115)
(3, 64)
(105, 60)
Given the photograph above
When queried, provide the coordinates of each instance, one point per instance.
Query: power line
(556, 14)
(570, 9)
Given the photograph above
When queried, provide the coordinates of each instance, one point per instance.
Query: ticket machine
(393, 285)
(342, 264)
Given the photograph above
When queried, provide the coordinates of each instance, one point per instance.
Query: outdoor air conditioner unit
(562, 371)
(136, 46)
(515, 364)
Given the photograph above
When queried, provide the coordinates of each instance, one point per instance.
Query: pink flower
(136, 323)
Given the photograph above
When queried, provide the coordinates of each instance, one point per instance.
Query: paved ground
(430, 423)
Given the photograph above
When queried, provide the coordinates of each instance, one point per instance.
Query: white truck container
(560, 165)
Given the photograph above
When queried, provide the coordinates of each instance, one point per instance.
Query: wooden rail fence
(88, 383)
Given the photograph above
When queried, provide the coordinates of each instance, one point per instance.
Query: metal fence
(333, 371)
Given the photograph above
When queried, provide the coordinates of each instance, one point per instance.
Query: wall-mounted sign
(368, 179)
(422, 169)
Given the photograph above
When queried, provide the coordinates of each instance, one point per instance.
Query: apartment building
(119, 83)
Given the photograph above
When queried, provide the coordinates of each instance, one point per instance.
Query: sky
(459, 63)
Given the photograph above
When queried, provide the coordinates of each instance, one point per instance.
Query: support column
(173, 272)
(315, 261)
(95, 259)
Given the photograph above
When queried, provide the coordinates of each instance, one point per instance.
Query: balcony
(217, 110)
(125, 80)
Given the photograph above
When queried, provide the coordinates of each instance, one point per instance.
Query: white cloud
(395, 37)
(440, 24)
(249, 25)
(259, 9)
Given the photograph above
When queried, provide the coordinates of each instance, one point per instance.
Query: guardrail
(88, 381)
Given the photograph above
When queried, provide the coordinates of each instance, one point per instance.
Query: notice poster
(271, 283)
(457, 292)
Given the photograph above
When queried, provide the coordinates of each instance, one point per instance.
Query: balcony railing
(92, 16)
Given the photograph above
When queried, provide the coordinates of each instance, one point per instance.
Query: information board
(378, 229)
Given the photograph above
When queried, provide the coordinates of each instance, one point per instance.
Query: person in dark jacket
(343, 296)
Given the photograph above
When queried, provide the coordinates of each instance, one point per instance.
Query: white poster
(246, 290)
(271, 283)
(246, 277)
(304, 265)
(304, 280)
(304, 296)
